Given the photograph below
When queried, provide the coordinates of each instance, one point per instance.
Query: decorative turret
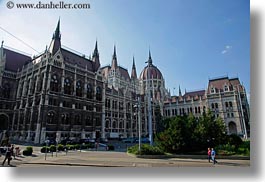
(133, 74)
(95, 57)
(180, 94)
(56, 40)
(150, 58)
(114, 64)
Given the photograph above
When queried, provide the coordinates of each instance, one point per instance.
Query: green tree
(187, 133)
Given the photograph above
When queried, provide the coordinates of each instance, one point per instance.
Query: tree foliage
(188, 133)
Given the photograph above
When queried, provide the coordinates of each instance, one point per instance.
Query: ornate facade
(225, 97)
(63, 94)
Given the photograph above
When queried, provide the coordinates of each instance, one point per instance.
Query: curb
(188, 157)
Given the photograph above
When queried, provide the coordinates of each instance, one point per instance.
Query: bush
(110, 147)
(146, 149)
(52, 148)
(234, 140)
(60, 147)
(43, 149)
(28, 151)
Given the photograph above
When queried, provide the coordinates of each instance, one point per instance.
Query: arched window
(216, 105)
(212, 105)
(226, 104)
(226, 88)
(67, 86)
(230, 104)
(98, 94)
(77, 120)
(107, 124)
(33, 85)
(196, 110)
(6, 90)
(65, 119)
(232, 128)
(114, 124)
(120, 125)
(51, 117)
(54, 85)
(89, 121)
(79, 89)
(89, 91)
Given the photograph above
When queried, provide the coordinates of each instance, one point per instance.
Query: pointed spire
(2, 50)
(56, 40)
(133, 74)
(56, 34)
(96, 54)
(95, 57)
(150, 58)
(114, 53)
(114, 63)
(180, 94)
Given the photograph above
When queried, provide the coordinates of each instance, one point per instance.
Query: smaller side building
(225, 97)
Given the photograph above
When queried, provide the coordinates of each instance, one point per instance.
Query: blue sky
(190, 40)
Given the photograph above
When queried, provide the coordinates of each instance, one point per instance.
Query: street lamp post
(138, 110)
(149, 105)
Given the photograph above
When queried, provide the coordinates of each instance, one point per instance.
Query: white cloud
(227, 48)
(224, 51)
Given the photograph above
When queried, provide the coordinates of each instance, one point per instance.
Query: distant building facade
(225, 97)
(63, 94)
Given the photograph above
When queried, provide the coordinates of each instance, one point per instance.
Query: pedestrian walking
(8, 155)
(213, 154)
(209, 154)
(12, 151)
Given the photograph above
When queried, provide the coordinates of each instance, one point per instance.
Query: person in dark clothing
(8, 155)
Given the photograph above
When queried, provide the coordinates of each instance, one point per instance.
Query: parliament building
(63, 94)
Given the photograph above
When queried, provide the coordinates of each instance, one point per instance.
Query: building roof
(15, 60)
(219, 84)
(80, 61)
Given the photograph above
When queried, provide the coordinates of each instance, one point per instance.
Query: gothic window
(77, 120)
(51, 117)
(89, 121)
(54, 85)
(216, 105)
(196, 110)
(226, 88)
(67, 86)
(27, 87)
(212, 90)
(33, 85)
(79, 89)
(65, 119)
(89, 91)
(107, 124)
(199, 109)
(230, 104)
(226, 104)
(114, 124)
(98, 94)
(212, 105)
(6, 90)
(21, 89)
(39, 86)
(120, 125)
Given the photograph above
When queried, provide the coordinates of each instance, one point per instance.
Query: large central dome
(154, 72)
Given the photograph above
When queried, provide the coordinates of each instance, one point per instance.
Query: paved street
(93, 158)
